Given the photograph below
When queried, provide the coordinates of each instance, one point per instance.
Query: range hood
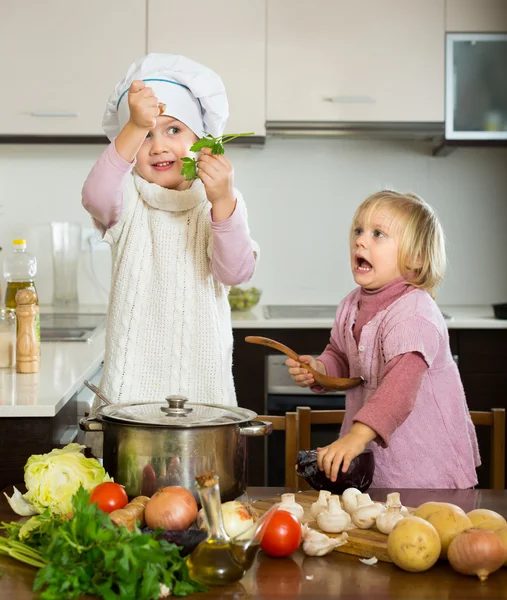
(432, 132)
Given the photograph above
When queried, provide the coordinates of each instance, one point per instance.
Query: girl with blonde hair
(410, 408)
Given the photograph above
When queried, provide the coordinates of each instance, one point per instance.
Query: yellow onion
(173, 508)
(502, 534)
(476, 552)
(237, 518)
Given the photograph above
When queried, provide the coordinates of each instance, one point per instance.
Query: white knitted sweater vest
(169, 324)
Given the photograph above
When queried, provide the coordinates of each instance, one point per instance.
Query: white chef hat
(191, 92)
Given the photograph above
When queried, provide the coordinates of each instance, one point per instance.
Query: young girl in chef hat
(411, 408)
(177, 245)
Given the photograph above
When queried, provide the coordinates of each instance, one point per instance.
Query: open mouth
(362, 265)
(163, 166)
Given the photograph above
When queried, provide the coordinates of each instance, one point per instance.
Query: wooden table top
(335, 575)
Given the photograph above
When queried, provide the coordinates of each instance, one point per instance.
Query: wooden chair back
(494, 418)
(287, 423)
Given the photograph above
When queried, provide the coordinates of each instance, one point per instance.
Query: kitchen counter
(462, 317)
(63, 368)
(336, 575)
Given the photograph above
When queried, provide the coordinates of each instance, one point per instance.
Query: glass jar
(7, 338)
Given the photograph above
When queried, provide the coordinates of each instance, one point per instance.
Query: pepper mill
(27, 343)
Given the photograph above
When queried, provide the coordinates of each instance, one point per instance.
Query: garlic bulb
(333, 519)
(290, 505)
(366, 512)
(349, 499)
(316, 543)
(320, 504)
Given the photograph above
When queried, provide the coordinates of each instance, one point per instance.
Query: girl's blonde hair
(421, 252)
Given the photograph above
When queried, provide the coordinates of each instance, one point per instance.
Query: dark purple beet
(187, 539)
(359, 474)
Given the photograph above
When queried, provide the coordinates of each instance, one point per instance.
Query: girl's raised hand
(299, 374)
(217, 175)
(143, 105)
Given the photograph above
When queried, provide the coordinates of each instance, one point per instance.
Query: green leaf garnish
(208, 141)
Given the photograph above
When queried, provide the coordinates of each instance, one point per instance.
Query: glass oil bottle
(220, 560)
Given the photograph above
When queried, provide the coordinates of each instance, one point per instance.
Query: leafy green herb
(88, 554)
(189, 170)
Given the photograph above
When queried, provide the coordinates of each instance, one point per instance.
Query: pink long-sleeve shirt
(232, 262)
(412, 394)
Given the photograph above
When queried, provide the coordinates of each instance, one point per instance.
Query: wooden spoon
(331, 383)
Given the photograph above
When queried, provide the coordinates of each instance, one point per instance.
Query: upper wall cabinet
(229, 36)
(337, 60)
(476, 16)
(61, 60)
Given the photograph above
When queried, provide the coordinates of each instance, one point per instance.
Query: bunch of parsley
(88, 554)
(189, 170)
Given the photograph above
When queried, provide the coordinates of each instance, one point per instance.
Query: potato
(414, 544)
(449, 522)
(502, 534)
(426, 509)
(482, 518)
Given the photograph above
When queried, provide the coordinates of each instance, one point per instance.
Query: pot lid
(175, 412)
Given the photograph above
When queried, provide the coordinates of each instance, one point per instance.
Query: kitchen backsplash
(301, 194)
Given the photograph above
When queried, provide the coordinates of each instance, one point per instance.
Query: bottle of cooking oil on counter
(20, 268)
(221, 560)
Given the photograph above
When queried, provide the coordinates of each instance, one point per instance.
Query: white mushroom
(290, 505)
(349, 499)
(366, 512)
(320, 504)
(394, 499)
(316, 543)
(388, 519)
(333, 519)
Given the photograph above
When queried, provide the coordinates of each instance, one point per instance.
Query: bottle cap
(19, 242)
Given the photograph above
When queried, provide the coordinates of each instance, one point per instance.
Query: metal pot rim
(242, 415)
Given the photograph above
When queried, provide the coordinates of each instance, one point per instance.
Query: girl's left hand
(217, 175)
(344, 450)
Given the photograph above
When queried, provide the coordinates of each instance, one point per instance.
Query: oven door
(283, 395)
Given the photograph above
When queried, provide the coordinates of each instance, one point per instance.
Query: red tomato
(109, 496)
(283, 534)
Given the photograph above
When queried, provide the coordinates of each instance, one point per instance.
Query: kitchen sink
(70, 327)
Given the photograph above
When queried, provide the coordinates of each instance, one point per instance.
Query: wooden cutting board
(365, 543)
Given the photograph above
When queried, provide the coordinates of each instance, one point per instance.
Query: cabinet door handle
(53, 114)
(350, 100)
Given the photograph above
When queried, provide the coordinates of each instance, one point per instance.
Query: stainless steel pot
(151, 445)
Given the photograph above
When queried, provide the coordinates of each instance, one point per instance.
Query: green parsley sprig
(88, 554)
(189, 170)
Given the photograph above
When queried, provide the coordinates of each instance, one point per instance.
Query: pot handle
(90, 424)
(256, 428)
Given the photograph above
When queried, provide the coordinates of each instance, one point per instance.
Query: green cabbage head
(53, 478)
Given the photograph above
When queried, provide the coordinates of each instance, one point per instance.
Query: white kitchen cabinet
(476, 16)
(229, 36)
(61, 60)
(337, 60)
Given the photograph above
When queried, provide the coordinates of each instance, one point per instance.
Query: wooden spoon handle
(332, 383)
(264, 341)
